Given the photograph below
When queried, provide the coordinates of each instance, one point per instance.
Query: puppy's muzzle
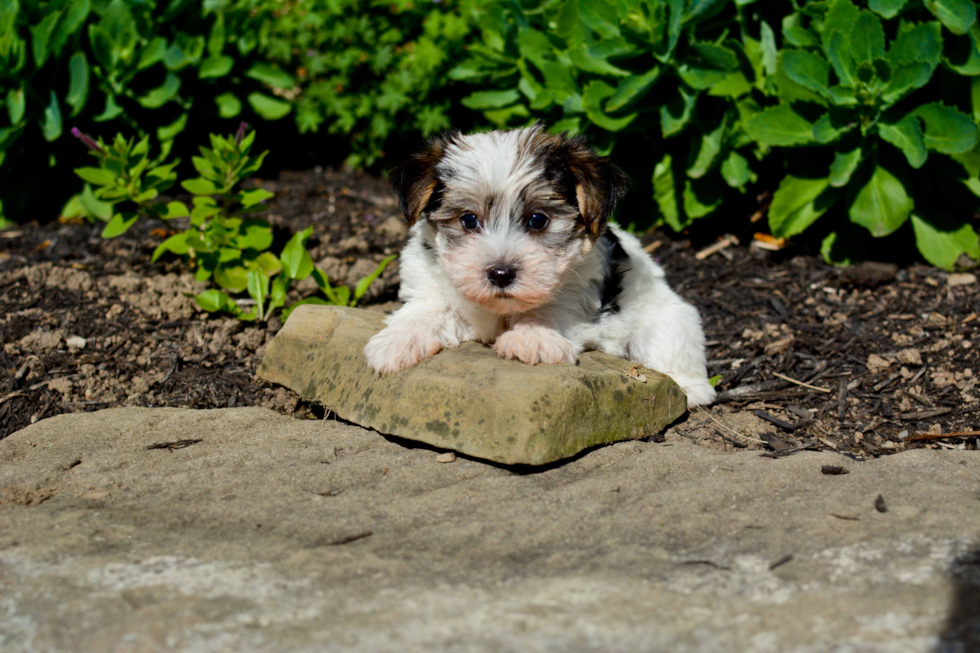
(502, 275)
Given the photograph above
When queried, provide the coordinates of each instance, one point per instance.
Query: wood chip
(924, 414)
(652, 247)
(726, 241)
(767, 242)
(447, 457)
(833, 470)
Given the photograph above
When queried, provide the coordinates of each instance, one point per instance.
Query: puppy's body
(539, 295)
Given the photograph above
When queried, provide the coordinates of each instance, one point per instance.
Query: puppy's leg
(416, 331)
(532, 342)
(671, 341)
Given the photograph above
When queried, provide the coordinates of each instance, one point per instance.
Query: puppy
(510, 246)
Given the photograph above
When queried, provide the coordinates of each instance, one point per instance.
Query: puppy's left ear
(415, 181)
(598, 186)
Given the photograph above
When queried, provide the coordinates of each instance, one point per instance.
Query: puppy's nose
(501, 275)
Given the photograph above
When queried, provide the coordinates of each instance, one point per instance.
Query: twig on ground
(652, 247)
(805, 385)
(924, 437)
(726, 241)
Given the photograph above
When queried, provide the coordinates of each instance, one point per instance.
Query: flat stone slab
(277, 534)
(468, 399)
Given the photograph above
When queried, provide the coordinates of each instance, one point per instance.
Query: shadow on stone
(962, 631)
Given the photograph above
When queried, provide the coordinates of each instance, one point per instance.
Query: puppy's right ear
(415, 181)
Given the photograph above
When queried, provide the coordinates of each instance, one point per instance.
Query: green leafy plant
(867, 116)
(124, 64)
(367, 70)
(899, 154)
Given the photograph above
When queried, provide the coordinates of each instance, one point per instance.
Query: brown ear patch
(587, 180)
(415, 182)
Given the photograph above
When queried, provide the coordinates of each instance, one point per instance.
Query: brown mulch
(888, 354)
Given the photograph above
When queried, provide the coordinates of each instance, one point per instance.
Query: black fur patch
(616, 267)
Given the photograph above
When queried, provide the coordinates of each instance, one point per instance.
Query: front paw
(535, 344)
(398, 348)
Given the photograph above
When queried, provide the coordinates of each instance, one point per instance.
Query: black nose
(501, 275)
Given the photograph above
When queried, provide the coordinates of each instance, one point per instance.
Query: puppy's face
(511, 210)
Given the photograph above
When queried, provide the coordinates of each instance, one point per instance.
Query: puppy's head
(511, 211)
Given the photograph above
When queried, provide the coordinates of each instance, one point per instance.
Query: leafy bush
(368, 69)
(125, 63)
(863, 115)
(222, 242)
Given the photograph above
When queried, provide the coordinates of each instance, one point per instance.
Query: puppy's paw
(535, 344)
(698, 390)
(398, 348)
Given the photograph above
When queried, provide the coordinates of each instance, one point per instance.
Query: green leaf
(119, 224)
(963, 52)
(957, 15)
(199, 187)
(162, 94)
(867, 39)
(251, 197)
(841, 58)
(905, 79)
(769, 51)
(15, 105)
(595, 93)
(218, 66)
(665, 194)
(834, 124)
(807, 69)
(101, 210)
(255, 234)
(844, 246)
(268, 263)
(97, 176)
(907, 136)
(365, 283)
(708, 149)
(174, 210)
(52, 120)
(942, 240)
(632, 88)
(231, 277)
(267, 107)
(780, 125)
(229, 106)
(41, 35)
(706, 65)
(271, 75)
(883, 205)
(676, 113)
(844, 165)
(736, 171)
(296, 261)
(701, 197)
(947, 130)
(215, 300)
(111, 110)
(585, 60)
(169, 132)
(480, 100)
(152, 53)
(922, 43)
(797, 203)
(258, 289)
(886, 8)
(78, 84)
(176, 244)
(796, 33)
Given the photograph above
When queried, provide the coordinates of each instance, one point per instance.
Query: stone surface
(467, 399)
(273, 534)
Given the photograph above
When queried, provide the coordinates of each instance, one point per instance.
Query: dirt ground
(868, 360)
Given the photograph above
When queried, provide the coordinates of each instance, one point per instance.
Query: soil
(868, 360)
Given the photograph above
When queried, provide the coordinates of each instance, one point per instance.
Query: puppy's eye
(470, 222)
(537, 221)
